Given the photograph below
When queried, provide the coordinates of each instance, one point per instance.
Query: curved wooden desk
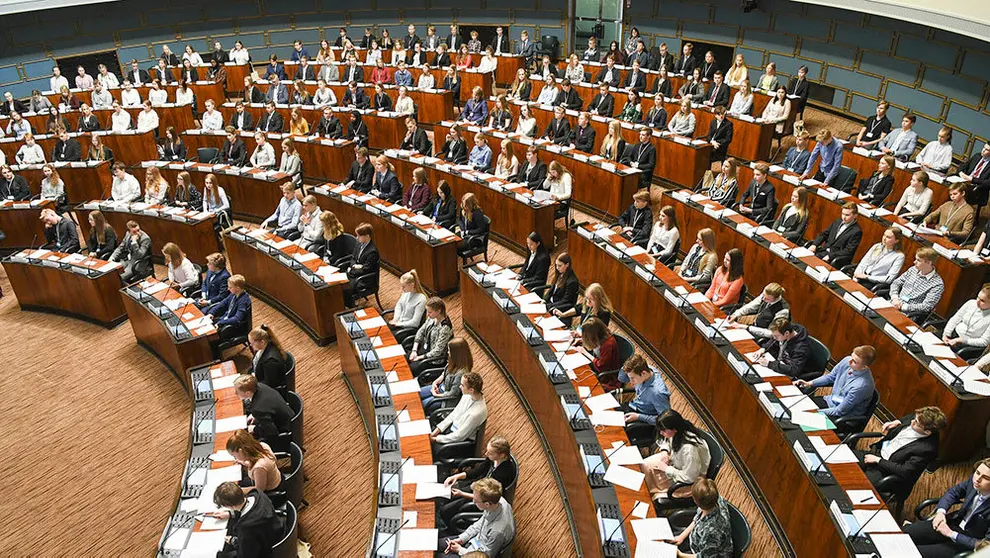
(202, 89)
(403, 244)
(20, 222)
(74, 284)
(762, 448)
(513, 212)
(384, 130)
(169, 115)
(368, 376)
(129, 147)
(180, 338)
(288, 278)
(85, 180)
(904, 379)
(541, 394)
(254, 194)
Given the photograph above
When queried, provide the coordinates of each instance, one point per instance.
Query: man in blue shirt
(652, 395)
(796, 159)
(901, 142)
(298, 51)
(403, 76)
(287, 213)
(831, 154)
(852, 385)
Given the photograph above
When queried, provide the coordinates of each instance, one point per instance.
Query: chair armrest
(439, 415)
(387, 312)
(887, 484)
(853, 438)
(920, 508)
(515, 266)
(674, 488)
(680, 519)
(539, 289)
(462, 450)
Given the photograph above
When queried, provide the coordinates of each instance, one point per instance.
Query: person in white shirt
(106, 77)
(663, 239)
(102, 98)
(937, 155)
(264, 154)
(558, 181)
(30, 153)
(968, 330)
(742, 101)
(192, 56)
(323, 96)
(426, 80)
(549, 92)
(155, 187)
(147, 119)
(411, 306)
(18, 126)
(489, 63)
(156, 94)
(125, 187)
(181, 273)
(120, 120)
(184, 94)
(469, 414)
(404, 103)
(239, 54)
(212, 120)
(130, 97)
(57, 81)
(309, 224)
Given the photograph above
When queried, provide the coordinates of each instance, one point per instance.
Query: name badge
(869, 135)
(943, 228)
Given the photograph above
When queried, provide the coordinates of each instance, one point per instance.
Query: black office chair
(190, 291)
(291, 488)
(427, 376)
(366, 286)
(475, 245)
(818, 359)
(343, 246)
(742, 535)
(457, 450)
(295, 433)
(290, 376)
(844, 426)
(207, 154)
(892, 488)
(672, 502)
(234, 337)
(466, 515)
(670, 260)
(845, 179)
(287, 547)
(730, 308)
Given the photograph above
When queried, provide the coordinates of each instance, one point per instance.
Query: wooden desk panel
(129, 149)
(253, 196)
(431, 106)
(179, 117)
(203, 90)
(81, 183)
(20, 222)
(383, 131)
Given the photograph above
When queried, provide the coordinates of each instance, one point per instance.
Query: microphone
(33, 240)
(386, 381)
(394, 420)
(608, 539)
(788, 408)
(910, 343)
(199, 421)
(173, 528)
(392, 534)
(617, 448)
(581, 404)
(396, 472)
(855, 536)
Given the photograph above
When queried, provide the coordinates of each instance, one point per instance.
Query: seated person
(558, 130)
(724, 189)
(497, 464)
(415, 139)
(665, 237)
(431, 338)
(472, 224)
(837, 244)
(596, 304)
(882, 262)
(446, 389)
(234, 151)
(309, 229)
(852, 385)
(365, 262)
(583, 135)
(952, 533)
(60, 232)
(442, 207)
(385, 184)
(699, 264)
(134, 251)
(493, 531)
(796, 159)
(532, 171)
(603, 104)
(16, 187)
(467, 417)
(793, 218)
(875, 188)
(756, 315)
(727, 283)
(214, 287)
(232, 314)
(635, 222)
(253, 527)
(652, 396)
(788, 346)
(535, 270)
(417, 196)
(270, 363)
(268, 414)
(682, 456)
(916, 199)
(901, 142)
(642, 156)
(719, 133)
(476, 108)
(600, 346)
(656, 118)
(182, 276)
(260, 471)
(102, 238)
(955, 218)
(362, 172)
(909, 445)
(562, 293)
(480, 157)
(286, 216)
(409, 310)
(454, 149)
(917, 291)
(968, 330)
(710, 532)
(759, 201)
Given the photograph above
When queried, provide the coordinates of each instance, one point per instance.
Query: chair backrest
(290, 374)
(344, 244)
(741, 534)
(479, 440)
(717, 455)
(509, 492)
(207, 154)
(845, 179)
(626, 348)
(286, 548)
(818, 357)
(296, 404)
(292, 477)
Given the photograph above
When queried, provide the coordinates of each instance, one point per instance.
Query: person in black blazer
(875, 188)
(609, 74)
(13, 186)
(719, 133)
(500, 43)
(242, 119)
(454, 39)
(797, 86)
(385, 182)
(568, 97)
(174, 149)
(252, 530)
(270, 363)
(837, 244)
(759, 201)
(636, 221)
(454, 149)
(604, 103)
(381, 101)
(452, 83)
(415, 139)
(304, 72)
(662, 85)
(497, 464)
(976, 170)
(686, 63)
(271, 120)
(442, 58)
(642, 156)
(232, 314)
(267, 410)
(656, 119)
(636, 78)
(546, 68)
(532, 171)
(252, 93)
(562, 292)
(664, 59)
(558, 130)
(718, 94)
(362, 172)
(583, 136)
(943, 534)
(908, 447)
(234, 152)
(355, 97)
(60, 232)
(536, 268)
(472, 224)
(793, 218)
(10, 104)
(100, 249)
(365, 262)
(66, 148)
(88, 122)
(274, 68)
(328, 126)
(442, 208)
(136, 75)
(214, 288)
(357, 130)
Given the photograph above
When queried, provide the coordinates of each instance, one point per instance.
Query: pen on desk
(866, 500)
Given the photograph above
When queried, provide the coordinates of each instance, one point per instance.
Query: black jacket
(367, 259)
(305, 74)
(358, 99)
(723, 136)
(382, 102)
(271, 122)
(878, 192)
(616, 76)
(662, 87)
(175, 151)
(361, 175)
(328, 128)
(533, 176)
(799, 90)
(102, 251)
(603, 105)
(534, 272)
(256, 95)
(793, 358)
(570, 99)
(358, 131)
(271, 413)
(243, 121)
(565, 297)
(838, 247)
(418, 142)
(685, 65)
(907, 463)
(62, 237)
(645, 155)
(271, 368)
(718, 96)
(641, 220)
(18, 107)
(656, 118)
(791, 226)
(762, 199)
(638, 83)
(389, 188)
(558, 131)
(234, 154)
(441, 61)
(69, 150)
(476, 225)
(583, 138)
(454, 152)
(89, 124)
(255, 531)
(501, 120)
(16, 188)
(444, 213)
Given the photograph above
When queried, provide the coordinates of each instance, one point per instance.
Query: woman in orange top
(728, 282)
(257, 458)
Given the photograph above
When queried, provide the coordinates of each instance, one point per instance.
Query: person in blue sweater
(852, 385)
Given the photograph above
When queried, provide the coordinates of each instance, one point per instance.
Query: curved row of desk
(19, 220)
(130, 147)
(172, 115)
(777, 459)
(202, 89)
(385, 129)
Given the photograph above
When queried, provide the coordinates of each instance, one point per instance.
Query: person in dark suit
(10, 104)
(136, 75)
(357, 130)
(384, 183)
(797, 86)
(454, 39)
(353, 72)
(609, 74)
(642, 156)
(232, 314)
(271, 120)
(604, 103)
(636, 78)
(759, 201)
(234, 152)
(471, 225)
(656, 119)
(355, 97)
(837, 244)
(361, 173)
(875, 188)
(947, 533)
(976, 170)
(270, 363)
(454, 149)
(535, 270)
(214, 288)
(252, 93)
(66, 148)
(583, 136)
(442, 207)
(568, 97)
(60, 232)
(13, 186)
(442, 58)
(102, 238)
(500, 43)
(277, 92)
(664, 59)
(532, 171)
(268, 413)
(719, 133)
(686, 63)
(219, 54)
(787, 349)
(558, 130)
(168, 56)
(562, 293)
(415, 139)
(718, 94)
(636, 221)
(242, 120)
(365, 262)
(88, 121)
(134, 251)
(304, 72)
(328, 125)
(274, 68)
(908, 447)
(525, 47)
(411, 39)
(253, 527)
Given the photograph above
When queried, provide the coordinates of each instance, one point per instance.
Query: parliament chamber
(558, 278)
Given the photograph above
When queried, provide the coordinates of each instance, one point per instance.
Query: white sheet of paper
(640, 510)
(626, 455)
(222, 455)
(224, 382)
(765, 372)
(624, 477)
(799, 404)
(789, 391)
(655, 549)
(372, 323)
(405, 386)
(530, 298)
(573, 361)
(862, 497)
(895, 545)
(427, 490)
(220, 475)
(548, 322)
(979, 388)
(212, 523)
(202, 543)
(764, 386)
(652, 529)
(538, 308)
(556, 335)
(409, 519)
(814, 420)
(414, 428)
(231, 423)
(603, 402)
(696, 298)
(418, 539)
(882, 523)
(938, 351)
(418, 474)
(608, 418)
(390, 351)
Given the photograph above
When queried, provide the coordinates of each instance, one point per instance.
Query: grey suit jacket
(135, 255)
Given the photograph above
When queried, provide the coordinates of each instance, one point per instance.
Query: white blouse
(185, 275)
(662, 241)
(916, 202)
(559, 189)
(741, 104)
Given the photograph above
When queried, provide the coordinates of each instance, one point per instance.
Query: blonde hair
(615, 132)
(331, 226)
(412, 276)
(173, 254)
(597, 291)
(265, 333)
